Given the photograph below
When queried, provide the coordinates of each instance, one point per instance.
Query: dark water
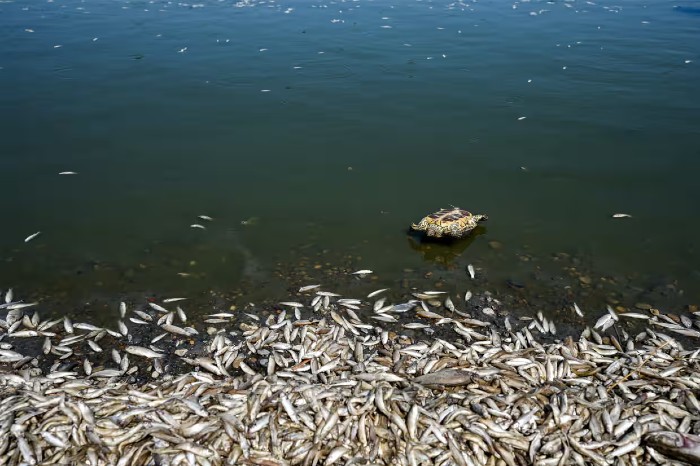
(314, 133)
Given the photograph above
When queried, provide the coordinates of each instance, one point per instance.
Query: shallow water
(364, 129)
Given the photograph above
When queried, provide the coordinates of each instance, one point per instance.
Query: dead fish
(683, 447)
(447, 377)
(8, 296)
(15, 306)
(106, 373)
(376, 292)
(141, 351)
(415, 325)
(472, 272)
(362, 272)
(604, 322)
(172, 300)
(308, 288)
(205, 217)
(197, 225)
(621, 216)
(67, 173)
(31, 237)
(8, 356)
(405, 307)
(158, 308)
(578, 310)
(291, 304)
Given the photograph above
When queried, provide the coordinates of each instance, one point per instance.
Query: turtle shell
(453, 222)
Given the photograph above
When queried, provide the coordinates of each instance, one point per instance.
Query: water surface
(316, 132)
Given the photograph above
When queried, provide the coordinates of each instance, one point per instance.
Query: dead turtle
(454, 222)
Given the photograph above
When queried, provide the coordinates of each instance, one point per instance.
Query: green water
(363, 130)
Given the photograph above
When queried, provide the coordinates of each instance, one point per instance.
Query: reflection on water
(444, 251)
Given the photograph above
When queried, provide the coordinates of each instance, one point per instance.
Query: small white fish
(122, 309)
(182, 50)
(68, 173)
(8, 296)
(158, 308)
(521, 118)
(308, 288)
(87, 366)
(376, 292)
(172, 300)
(141, 351)
(362, 272)
(472, 272)
(578, 310)
(94, 346)
(12, 307)
(621, 216)
(181, 314)
(205, 217)
(415, 325)
(467, 296)
(291, 304)
(197, 225)
(31, 237)
(107, 373)
(604, 322)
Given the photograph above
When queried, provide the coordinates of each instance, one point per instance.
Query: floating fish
(31, 237)
(197, 225)
(472, 272)
(621, 216)
(362, 272)
(141, 351)
(205, 217)
(376, 292)
(68, 173)
(291, 304)
(308, 288)
(172, 300)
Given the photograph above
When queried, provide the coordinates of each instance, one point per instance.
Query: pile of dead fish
(345, 381)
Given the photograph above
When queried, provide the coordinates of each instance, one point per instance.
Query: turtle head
(481, 218)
